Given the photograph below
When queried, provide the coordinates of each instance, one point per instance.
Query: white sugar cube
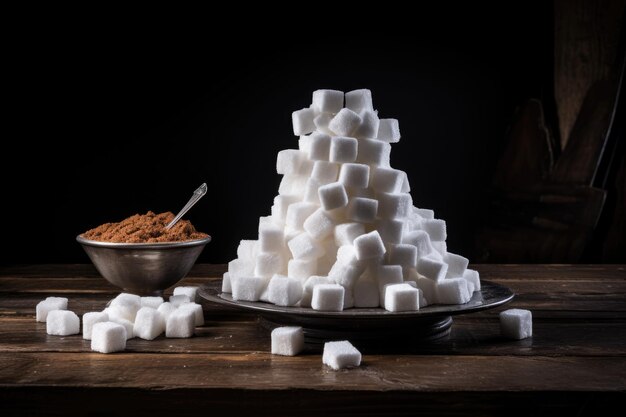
(318, 225)
(292, 185)
(325, 172)
(303, 121)
(284, 291)
(359, 100)
(345, 122)
(362, 209)
(311, 191)
(181, 323)
(305, 247)
(369, 125)
(287, 341)
(432, 268)
(516, 323)
(288, 161)
(279, 212)
(270, 263)
(327, 101)
(149, 324)
(122, 312)
(62, 323)
(166, 309)
(248, 249)
(306, 166)
(248, 288)
(428, 287)
(345, 275)
(48, 305)
(226, 285)
(403, 254)
(128, 325)
(301, 269)
(425, 213)
(108, 337)
(91, 318)
(387, 180)
(440, 247)
(307, 288)
(390, 230)
(189, 291)
(354, 175)
(472, 277)
(369, 246)
(271, 239)
(346, 254)
(297, 213)
(420, 240)
(177, 300)
(322, 121)
(339, 355)
(406, 187)
(389, 130)
(388, 275)
(457, 264)
(452, 291)
(401, 297)
(435, 228)
(333, 196)
(346, 233)
(373, 152)
(196, 309)
(304, 142)
(343, 149)
(328, 297)
(127, 299)
(394, 206)
(366, 294)
(240, 267)
(153, 302)
(319, 147)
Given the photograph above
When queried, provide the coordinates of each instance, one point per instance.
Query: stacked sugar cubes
(126, 317)
(343, 231)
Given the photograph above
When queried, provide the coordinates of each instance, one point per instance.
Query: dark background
(105, 124)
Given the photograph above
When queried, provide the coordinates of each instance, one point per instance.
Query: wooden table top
(574, 364)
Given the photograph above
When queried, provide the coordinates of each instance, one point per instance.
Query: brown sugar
(145, 228)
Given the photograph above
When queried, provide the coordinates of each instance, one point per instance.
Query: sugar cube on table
(189, 291)
(319, 147)
(318, 225)
(177, 300)
(197, 311)
(153, 302)
(516, 323)
(361, 209)
(226, 285)
(333, 196)
(346, 233)
(345, 122)
(354, 175)
(305, 247)
(325, 172)
(436, 229)
(149, 324)
(122, 312)
(62, 323)
(127, 299)
(287, 341)
(166, 309)
(180, 324)
(343, 149)
(403, 254)
(432, 268)
(452, 291)
(339, 355)
(359, 100)
(303, 121)
(48, 305)
(388, 130)
(401, 297)
(327, 101)
(394, 206)
(365, 293)
(248, 288)
(369, 125)
(284, 291)
(387, 180)
(307, 288)
(369, 246)
(373, 152)
(91, 318)
(328, 297)
(108, 337)
(301, 269)
(128, 325)
(297, 213)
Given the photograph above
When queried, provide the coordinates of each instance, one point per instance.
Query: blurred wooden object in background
(558, 192)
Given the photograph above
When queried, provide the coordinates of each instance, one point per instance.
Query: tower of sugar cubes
(343, 231)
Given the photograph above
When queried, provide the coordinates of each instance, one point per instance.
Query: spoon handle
(197, 195)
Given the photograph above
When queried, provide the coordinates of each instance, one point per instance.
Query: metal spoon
(197, 195)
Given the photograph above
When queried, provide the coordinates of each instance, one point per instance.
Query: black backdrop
(106, 126)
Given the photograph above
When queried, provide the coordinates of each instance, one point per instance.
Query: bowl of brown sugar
(140, 255)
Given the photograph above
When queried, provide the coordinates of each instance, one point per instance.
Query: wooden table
(574, 365)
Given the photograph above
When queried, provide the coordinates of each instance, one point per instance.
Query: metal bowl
(143, 268)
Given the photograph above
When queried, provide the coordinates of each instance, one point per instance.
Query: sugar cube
(197, 312)
(343, 149)
(181, 323)
(307, 288)
(288, 161)
(122, 312)
(428, 287)
(226, 285)
(354, 175)
(359, 100)
(369, 246)
(452, 291)
(166, 309)
(369, 125)
(516, 323)
(284, 291)
(108, 337)
(406, 186)
(177, 300)
(345, 122)
(366, 294)
(48, 305)
(333, 196)
(318, 225)
(327, 297)
(373, 152)
(248, 288)
(389, 130)
(432, 268)
(189, 291)
(346, 233)
(293, 185)
(435, 228)
(240, 267)
(322, 121)
(403, 254)
(127, 324)
(287, 341)
(303, 121)
(153, 302)
(311, 191)
(319, 147)
(401, 297)
(149, 323)
(327, 101)
(248, 249)
(91, 318)
(388, 275)
(394, 206)
(390, 230)
(297, 213)
(325, 172)
(304, 142)
(361, 209)
(387, 180)
(339, 355)
(426, 213)
(271, 239)
(420, 240)
(457, 264)
(473, 277)
(301, 269)
(62, 323)
(305, 247)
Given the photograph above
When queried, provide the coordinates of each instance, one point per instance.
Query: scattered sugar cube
(122, 312)
(166, 309)
(339, 355)
(148, 324)
(62, 323)
(516, 323)
(284, 291)
(327, 101)
(108, 337)
(181, 323)
(197, 311)
(128, 325)
(359, 100)
(177, 300)
(91, 318)
(345, 122)
(248, 288)
(287, 341)
(303, 121)
(48, 305)
(369, 246)
(354, 175)
(343, 149)
(328, 297)
(153, 302)
(401, 297)
(190, 291)
(389, 130)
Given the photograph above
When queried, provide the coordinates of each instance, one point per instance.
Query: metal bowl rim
(158, 245)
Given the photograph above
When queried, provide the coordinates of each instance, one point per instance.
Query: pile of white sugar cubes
(343, 231)
(127, 316)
